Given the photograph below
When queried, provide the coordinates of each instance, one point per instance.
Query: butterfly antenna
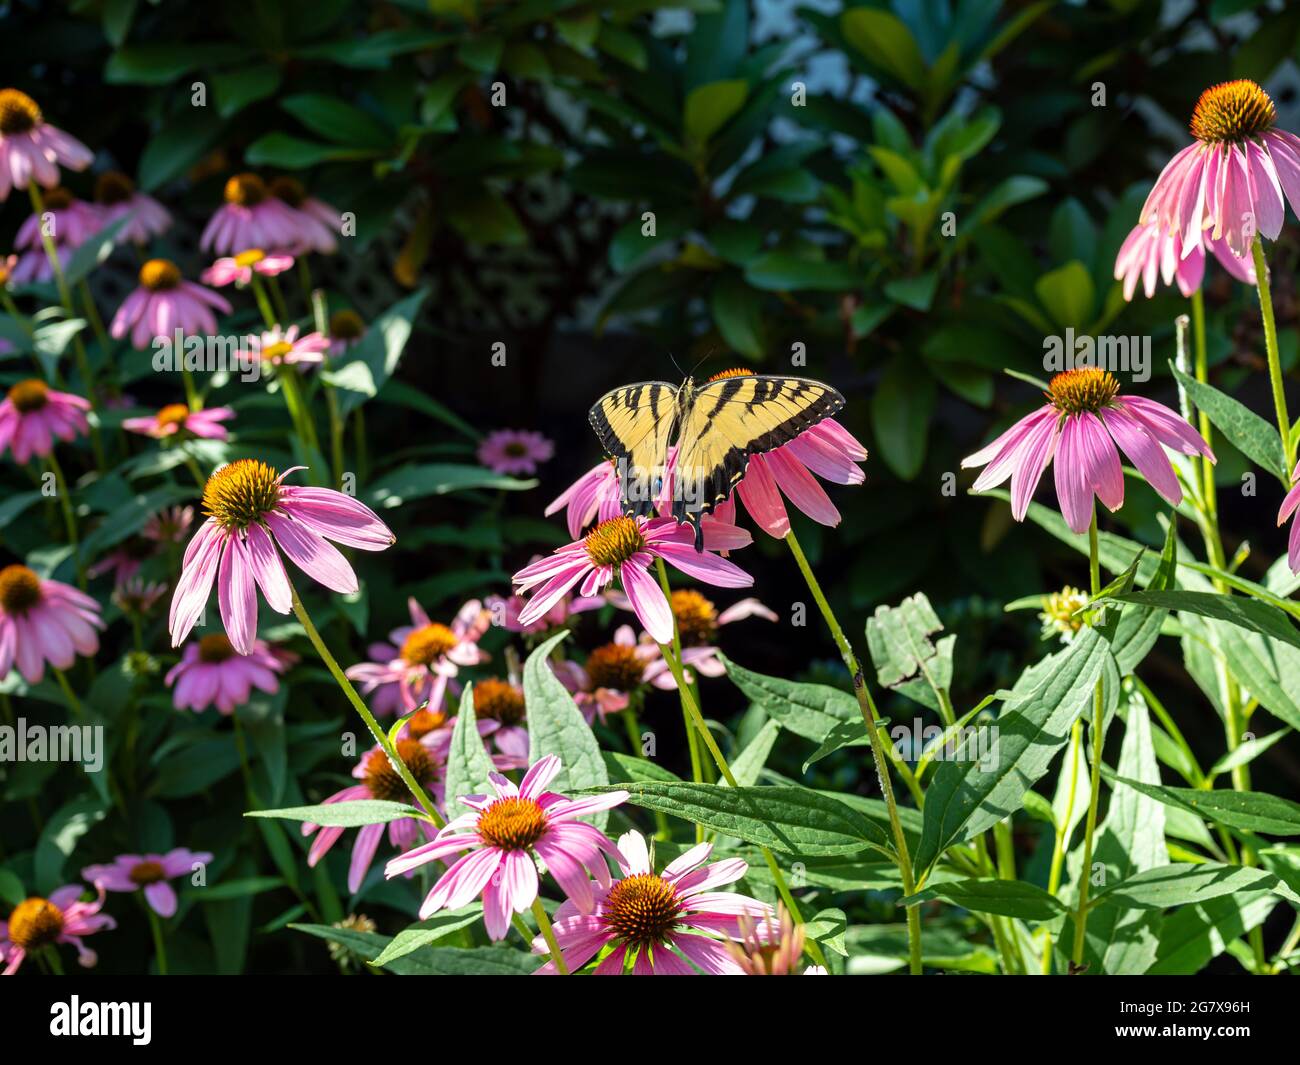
(677, 364)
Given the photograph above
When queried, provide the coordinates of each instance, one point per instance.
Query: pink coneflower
(316, 221)
(659, 921)
(177, 418)
(138, 596)
(285, 347)
(612, 673)
(505, 611)
(148, 873)
(1232, 179)
(72, 222)
(1079, 428)
(511, 451)
(1289, 506)
(505, 835)
(250, 217)
(771, 948)
(502, 714)
(33, 415)
(117, 197)
(30, 148)
(164, 303)
(125, 559)
(43, 621)
(346, 328)
(379, 780)
(422, 659)
(698, 621)
(37, 923)
(625, 548)
(169, 525)
(239, 269)
(1148, 253)
(212, 673)
(250, 511)
(592, 497)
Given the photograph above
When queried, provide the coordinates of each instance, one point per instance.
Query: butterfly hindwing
(635, 424)
(731, 419)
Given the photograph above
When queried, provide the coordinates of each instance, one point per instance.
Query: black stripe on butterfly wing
(771, 390)
(627, 398)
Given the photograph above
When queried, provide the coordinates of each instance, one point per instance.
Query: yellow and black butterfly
(716, 426)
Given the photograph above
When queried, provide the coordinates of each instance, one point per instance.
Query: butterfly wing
(634, 424)
(731, 419)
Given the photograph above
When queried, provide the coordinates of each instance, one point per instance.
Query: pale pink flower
(43, 621)
(315, 221)
(512, 451)
(134, 595)
(251, 512)
(625, 548)
(771, 948)
(285, 347)
(379, 780)
(169, 525)
(148, 873)
(502, 714)
(613, 672)
(505, 836)
(505, 611)
(592, 497)
(117, 197)
(165, 302)
(1148, 253)
(1232, 179)
(239, 269)
(1078, 429)
(250, 217)
(71, 223)
(1289, 506)
(660, 921)
(212, 673)
(422, 660)
(178, 418)
(37, 923)
(33, 415)
(30, 148)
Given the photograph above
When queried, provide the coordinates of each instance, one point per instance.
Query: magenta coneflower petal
(1035, 452)
(237, 597)
(648, 601)
(1104, 473)
(1072, 489)
(312, 554)
(1143, 450)
(268, 570)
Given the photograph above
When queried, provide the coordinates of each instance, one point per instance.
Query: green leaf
(747, 765)
(901, 407)
(1178, 885)
(1193, 936)
(336, 120)
(373, 359)
(964, 799)
(812, 711)
(884, 39)
(556, 726)
(625, 767)
(59, 839)
(482, 216)
(468, 763)
(1008, 898)
(343, 814)
(237, 89)
(905, 657)
(1250, 614)
(1245, 430)
(737, 311)
(436, 479)
(178, 145)
(1067, 294)
(779, 271)
(93, 251)
(712, 106)
(1251, 811)
(295, 153)
(415, 936)
(792, 820)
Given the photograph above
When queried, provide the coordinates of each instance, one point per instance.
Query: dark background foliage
(780, 220)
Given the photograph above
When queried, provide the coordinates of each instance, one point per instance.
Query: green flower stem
(672, 655)
(320, 316)
(548, 934)
(1098, 722)
(1202, 373)
(1060, 842)
(871, 719)
(1271, 349)
(192, 399)
(263, 303)
(69, 519)
(277, 299)
(692, 742)
(92, 315)
(359, 705)
(159, 949)
(69, 696)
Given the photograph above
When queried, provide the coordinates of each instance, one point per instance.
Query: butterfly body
(716, 426)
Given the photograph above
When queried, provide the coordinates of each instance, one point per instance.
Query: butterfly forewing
(635, 424)
(731, 419)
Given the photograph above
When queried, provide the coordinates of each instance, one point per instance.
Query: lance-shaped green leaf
(1177, 885)
(967, 795)
(556, 726)
(747, 765)
(468, 763)
(1253, 615)
(1193, 936)
(370, 362)
(1268, 669)
(1009, 898)
(1246, 431)
(343, 814)
(1250, 811)
(905, 657)
(792, 820)
(812, 711)
(415, 936)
